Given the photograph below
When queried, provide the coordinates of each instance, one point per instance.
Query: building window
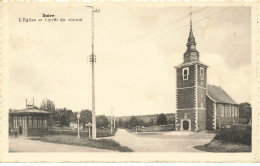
(202, 73)
(226, 111)
(34, 121)
(201, 105)
(29, 121)
(235, 111)
(222, 111)
(185, 73)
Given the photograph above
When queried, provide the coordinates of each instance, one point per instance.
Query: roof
(217, 94)
(190, 63)
(29, 111)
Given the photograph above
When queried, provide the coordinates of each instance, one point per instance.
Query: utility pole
(93, 60)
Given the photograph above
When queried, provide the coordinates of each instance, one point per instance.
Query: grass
(221, 146)
(72, 140)
(100, 133)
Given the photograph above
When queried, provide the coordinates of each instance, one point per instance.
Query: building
(221, 109)
(29, 122)
(200, 106)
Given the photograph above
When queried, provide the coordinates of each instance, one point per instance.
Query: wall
(209, 113)
(225, 119)
(170, 127)
(37, 131)
(191, 114)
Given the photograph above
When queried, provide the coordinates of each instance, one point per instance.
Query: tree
(64, 116)
(102, 121)
(120, 123)
(245, 111)
(133, 122)
(85, 117)
(152, 122)
(161, 119)
(47, 105)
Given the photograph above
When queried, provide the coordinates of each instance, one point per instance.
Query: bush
(236, 134)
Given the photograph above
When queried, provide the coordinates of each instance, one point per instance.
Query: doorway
(186, 125)
(20, 130)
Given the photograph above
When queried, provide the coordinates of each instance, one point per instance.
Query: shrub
(236, 134)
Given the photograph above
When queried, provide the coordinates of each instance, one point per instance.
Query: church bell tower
(191, 81)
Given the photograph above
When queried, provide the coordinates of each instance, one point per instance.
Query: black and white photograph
(128, 78)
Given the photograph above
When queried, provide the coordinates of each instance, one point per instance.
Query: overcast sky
(137, 49)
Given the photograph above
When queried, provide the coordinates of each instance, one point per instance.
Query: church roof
(29, 111)
(217, 94)
(190, 63)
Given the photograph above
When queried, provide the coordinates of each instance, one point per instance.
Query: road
(175, 141)
(27, 145)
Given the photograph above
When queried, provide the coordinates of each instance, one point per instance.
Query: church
(200, 106)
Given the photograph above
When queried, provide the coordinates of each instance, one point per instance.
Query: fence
(170, 127)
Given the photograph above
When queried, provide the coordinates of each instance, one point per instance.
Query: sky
(136, 47)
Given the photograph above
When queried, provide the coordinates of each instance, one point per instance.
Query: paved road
(26, 145)
(174, 141)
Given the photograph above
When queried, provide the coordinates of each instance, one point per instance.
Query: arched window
(185, 73)
(202, 73)
(222, 111)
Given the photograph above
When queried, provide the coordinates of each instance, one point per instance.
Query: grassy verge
(100, 133)
(221, 146)
(72, 140)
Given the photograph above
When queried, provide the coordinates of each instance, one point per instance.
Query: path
(174, 141)
(27, 145)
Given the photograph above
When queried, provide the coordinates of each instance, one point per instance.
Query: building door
(20, 130)
(185, 125)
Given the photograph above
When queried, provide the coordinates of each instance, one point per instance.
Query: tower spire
(191, 53)
(190, 17)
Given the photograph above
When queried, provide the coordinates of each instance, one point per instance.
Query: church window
(202, 73)
(226, 111)
(185, 73)
(222, 111)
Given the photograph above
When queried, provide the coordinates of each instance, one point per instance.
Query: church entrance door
(185, 125)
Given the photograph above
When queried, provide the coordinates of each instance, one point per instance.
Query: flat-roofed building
(29, 122)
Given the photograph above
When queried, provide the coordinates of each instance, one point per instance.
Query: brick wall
(186, 98)
(209, 113)
(185, 83)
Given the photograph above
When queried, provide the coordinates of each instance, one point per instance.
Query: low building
(29, 122)
(221, 109)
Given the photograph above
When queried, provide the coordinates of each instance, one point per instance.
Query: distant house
(73, 125)
(29, 122)
(221, 109)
